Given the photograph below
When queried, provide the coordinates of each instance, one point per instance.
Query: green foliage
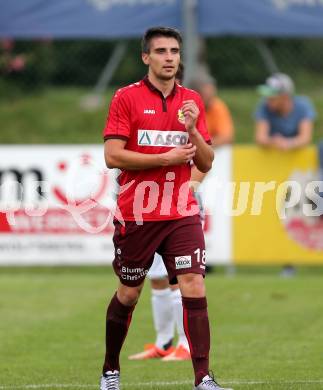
(67, 62)
(237, 61)
(80, 62)
(266, 331)
(234, 61)
(131, 68)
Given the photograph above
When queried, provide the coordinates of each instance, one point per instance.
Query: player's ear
(145, 58)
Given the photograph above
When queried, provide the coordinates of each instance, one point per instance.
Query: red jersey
(151, 123)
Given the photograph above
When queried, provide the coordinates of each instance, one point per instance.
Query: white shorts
(158, 269)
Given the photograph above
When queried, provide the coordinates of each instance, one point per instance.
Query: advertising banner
(56, 206)
(261, 206)
(216, 196)
(277, 207)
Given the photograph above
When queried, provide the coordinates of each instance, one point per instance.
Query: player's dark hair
(154, 32)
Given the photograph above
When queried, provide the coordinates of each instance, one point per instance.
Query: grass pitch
(267, 331)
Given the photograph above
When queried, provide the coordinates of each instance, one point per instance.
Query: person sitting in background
(283, 121)
(218, 118)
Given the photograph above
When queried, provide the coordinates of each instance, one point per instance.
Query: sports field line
(169, 383)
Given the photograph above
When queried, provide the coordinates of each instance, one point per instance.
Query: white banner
(216, 195)
(56, 202)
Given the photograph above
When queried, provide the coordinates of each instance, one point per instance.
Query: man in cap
(283, 121)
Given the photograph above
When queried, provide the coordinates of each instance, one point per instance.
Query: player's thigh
(183, 250)
(135, 247)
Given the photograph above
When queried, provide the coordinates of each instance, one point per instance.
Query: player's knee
(192, 285)
(129, 296)
(159, 284)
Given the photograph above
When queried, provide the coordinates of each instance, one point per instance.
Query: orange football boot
(152, 352)
(179, 354)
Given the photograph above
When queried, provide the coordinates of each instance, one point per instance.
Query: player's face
(163, 58)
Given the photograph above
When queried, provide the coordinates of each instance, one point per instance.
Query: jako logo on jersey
(151, 112)
(181, 117)
(173, 139)
(183, 262)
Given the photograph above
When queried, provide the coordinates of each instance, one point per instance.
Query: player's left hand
(191, 113)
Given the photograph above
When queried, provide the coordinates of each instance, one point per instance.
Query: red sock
(117, 324)
(197, 330)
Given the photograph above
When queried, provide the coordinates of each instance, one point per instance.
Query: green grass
(55, 116)
(50, 116)
(265, 329)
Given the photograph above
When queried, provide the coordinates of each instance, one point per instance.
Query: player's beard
(166, 77)
(163, 76)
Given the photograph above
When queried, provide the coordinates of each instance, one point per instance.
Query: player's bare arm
(116, 156)
(204, 153)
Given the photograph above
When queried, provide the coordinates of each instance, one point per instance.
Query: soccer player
(153, 131)
(167, 308)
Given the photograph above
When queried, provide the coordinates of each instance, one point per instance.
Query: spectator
(283, 121)
(218, 118)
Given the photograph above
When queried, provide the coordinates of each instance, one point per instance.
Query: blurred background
(64, 70)
(53, 55)
(60, 63)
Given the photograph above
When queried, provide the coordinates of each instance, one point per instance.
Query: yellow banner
(269, 222)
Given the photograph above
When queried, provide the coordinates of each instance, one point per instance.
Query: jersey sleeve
(118, 123)
(201, 122)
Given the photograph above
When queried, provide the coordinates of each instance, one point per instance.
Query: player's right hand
(178, 156)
